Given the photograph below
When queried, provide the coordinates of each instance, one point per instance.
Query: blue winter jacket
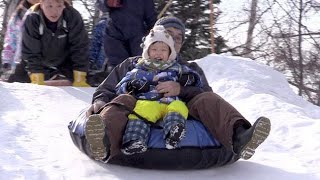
(172, 73)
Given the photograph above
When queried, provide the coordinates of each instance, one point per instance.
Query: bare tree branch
(296, 35)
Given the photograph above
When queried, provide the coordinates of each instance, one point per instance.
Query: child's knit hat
(159, 33)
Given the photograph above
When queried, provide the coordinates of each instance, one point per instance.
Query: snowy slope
(35, 141)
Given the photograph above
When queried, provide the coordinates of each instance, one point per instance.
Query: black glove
(138, 86)
(187, 80)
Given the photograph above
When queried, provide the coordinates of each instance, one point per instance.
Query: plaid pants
(136, 130)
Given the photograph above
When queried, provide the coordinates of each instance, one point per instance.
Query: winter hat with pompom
(159, 33)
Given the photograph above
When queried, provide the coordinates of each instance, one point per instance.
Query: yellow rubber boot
(80, 79)
(37, 78)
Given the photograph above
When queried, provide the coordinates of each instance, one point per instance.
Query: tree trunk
(252, 24)
(300, 47)
(318, 100)
(212, 26)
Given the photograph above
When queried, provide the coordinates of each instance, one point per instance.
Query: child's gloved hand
(80, 79)
(138, 86)
(37, 78)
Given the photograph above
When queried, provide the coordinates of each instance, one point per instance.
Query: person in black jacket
(239, 138)
(129, 22)
(54, 41)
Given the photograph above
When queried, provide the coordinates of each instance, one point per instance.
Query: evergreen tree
(195, 15)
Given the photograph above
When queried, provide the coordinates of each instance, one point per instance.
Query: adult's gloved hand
(95, 107)
(187, 79)
(138, 86)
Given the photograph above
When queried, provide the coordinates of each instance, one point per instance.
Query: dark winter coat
(126, 28)
(133, 18)
(44, 48)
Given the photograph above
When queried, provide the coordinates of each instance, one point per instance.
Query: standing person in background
(12, 37)
(129, 22)
(54, 42)
(97, 56)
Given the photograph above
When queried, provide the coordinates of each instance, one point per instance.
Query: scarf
(154, 64)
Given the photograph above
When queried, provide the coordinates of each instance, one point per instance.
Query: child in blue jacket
(158, 64)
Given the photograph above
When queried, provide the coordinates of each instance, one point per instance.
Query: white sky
(36, 144)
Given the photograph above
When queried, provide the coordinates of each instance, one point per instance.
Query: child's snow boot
(133, 147)
(177, 132)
